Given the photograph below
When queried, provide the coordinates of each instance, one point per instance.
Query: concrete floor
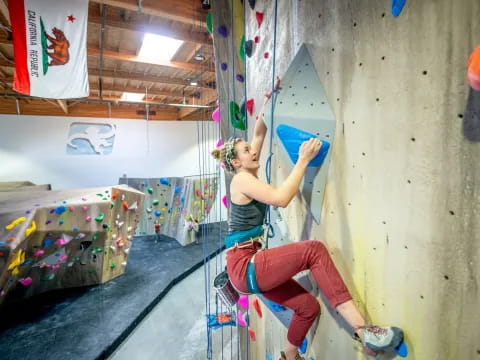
(180, 315)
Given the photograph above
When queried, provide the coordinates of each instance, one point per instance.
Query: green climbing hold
(101, 195)
(95, 237)
(97, 250)
(150, 190)
(100, 217)
(91, 271)
(241, 51)
(155, 202)
(76, 258)
(236, 117)
(112, 265)
(209, 22)
(105, 198)
(48, 277)
(112, 204)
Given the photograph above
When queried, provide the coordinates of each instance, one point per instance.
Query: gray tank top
(247, 216)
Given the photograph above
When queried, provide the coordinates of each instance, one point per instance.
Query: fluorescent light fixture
(157, 49)
(193, 83)
(126, 96)
(199, 57)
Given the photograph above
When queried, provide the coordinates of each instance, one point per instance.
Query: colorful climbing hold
(115, 194)
(473, 74)
(225, 201)
(164, 181)
(236, 117)
(15, 222)
(303, 347)
(397, 7)
(241, 318)
(125, 205)
(219, 142)
(208, 22)
(251, 332)
(150, 190)
(155, 202)
(224, 66)
(402, 349)
(240, 78)
(61, 209)
(292, 138)
(241, 51)
(266, 55)
(158, 213)
(256, 39)
(39, 253)
(100, 217)
(71, 208)
(250, 103)
(249, 48)
(256, 306)
(243, 301)
(216, 115)
(259, 17)
(60, 222)
(63, 257)
(223, 31)
(252, 4)
(84, 208)
(31, 229)
(26, 281)
(113, 265)
(88, 219)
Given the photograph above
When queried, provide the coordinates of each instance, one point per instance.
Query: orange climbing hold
(115, 194)
(125, 205)
(473, 74)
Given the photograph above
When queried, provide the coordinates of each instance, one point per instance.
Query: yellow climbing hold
(17, 260)
(31, 229)
(15, 223)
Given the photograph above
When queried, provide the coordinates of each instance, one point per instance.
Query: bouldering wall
(171, 202)
(60, 239)
(401, 209)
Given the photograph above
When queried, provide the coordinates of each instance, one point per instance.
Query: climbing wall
(400, 212)
(60, 239)
(169, 202)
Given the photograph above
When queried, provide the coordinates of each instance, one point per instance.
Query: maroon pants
(274, 269)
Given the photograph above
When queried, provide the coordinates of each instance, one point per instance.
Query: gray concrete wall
(401, 209)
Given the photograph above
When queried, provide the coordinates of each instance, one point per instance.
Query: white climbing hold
(134, 206)
(126, 251)
(123, 197)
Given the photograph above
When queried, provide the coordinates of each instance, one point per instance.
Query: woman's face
(247, 158)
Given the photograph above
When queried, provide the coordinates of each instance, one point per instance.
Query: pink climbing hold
(88, 219)
(63, 257)
(259, 17)
(39, 253)
(256, 39)
(250, 103)
(61, 242)
(224, 200)
(84, 208)
(25, 282)
(219, 143)
(216, 115)
(266, 55)
(243, 301)
(71, 208)
(84, 199)
(240, 318)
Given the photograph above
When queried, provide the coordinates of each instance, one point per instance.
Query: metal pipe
(119, 102)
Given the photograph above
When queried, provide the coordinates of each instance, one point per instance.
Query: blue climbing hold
(158, 213)
(293, 138)
(60, 209)
(397, 7)
(164, 181)
(269, 357)
(47, 243)
(402, 349)
(178, 189)
(182, 198)
(303, 347)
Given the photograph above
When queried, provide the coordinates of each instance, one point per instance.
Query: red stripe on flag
(21, 77)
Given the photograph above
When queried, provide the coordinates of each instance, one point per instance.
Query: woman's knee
(317, 246)
(310, 308)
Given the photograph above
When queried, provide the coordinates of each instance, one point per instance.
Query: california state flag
(49, 43)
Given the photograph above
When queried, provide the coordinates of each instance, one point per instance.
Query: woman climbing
(270, 271)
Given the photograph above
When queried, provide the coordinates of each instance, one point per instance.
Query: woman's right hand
(309, 149)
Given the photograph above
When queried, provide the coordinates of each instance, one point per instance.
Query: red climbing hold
(251, 332)
(256, 39)
(259, 17)
(257, 307)
(125, 205)
(266, 55)
(249, 105)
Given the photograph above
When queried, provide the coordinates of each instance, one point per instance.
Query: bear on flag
(49, 44)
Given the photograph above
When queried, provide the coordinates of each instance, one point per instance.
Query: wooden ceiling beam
(179, 10)
(169, 31)
(4, 12)
(207, 98)
(81, 109)
(132, 89)
(63, 105)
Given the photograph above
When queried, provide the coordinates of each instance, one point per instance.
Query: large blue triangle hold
(292, 138)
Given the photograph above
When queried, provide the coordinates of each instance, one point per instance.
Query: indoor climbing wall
(60, 239)
(400, 211)
(171, 204)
